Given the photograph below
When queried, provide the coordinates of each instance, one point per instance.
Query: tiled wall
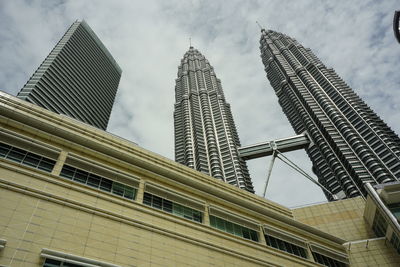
(343, 218)
(111, 229)
(375, 253)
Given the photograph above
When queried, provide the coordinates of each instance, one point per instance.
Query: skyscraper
(205, 134)
(79, 78)
(351, 145)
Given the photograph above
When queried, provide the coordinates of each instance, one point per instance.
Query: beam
(267, 148)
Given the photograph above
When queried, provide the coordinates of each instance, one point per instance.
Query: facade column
(262, 237)
(140, 191)
(206, 215)
(59, 163)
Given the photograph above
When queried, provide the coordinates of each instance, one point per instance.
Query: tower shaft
(351, 145)
(79, 78)
(205, 134)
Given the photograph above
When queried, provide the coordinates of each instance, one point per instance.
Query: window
(329, 257)
(379, 225)
(60, 259)
(26, 158)
(233, 228)
(172, 207)
(56, 263)
(395, 210)
(395, 240)
(98, 182)
(327, 261)
(285, 246)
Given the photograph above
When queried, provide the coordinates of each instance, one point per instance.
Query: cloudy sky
(148, 39)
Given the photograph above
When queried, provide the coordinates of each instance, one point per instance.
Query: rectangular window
(55, 258)
(327, 261)
(172, 207)
(57, 263)
(233, 228)
(285, 246)
(26, 158)
(98, 182)
(379, 225)
(395, 240)
(328, 257)
(395, 209)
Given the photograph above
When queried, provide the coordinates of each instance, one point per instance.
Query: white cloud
(148, 39)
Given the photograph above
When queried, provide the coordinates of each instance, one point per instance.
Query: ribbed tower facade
(350, 144)
(79, 78)
(205, 134)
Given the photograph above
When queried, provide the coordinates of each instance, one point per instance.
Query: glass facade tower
(350, 144)
(205, 134)
(79, 78)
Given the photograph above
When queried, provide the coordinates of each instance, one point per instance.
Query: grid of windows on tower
(233, 228)
(379, 225)
(285, 246)
(26, 158)
(324, 260)
(98, 182)
(395, 240)
(172, 207)
(395, 210)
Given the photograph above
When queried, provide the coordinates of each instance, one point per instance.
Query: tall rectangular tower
(205, 134)
(351, 145)
(79, 78)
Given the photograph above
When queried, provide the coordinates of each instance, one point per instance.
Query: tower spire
(259, 25)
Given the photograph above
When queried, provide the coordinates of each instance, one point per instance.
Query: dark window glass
(94, 180)
(233, 228)
(105, 185)
(81, 176)
(67, 172)
(4, 150)
(171, 207)
(285, 246)
(129, 192)
(237, 230)
(167, 206)
(99, 182)
(253, 235)
(67, 264)
(52, 263)
(327, 261)
(220, 224)
(147, 199)
(177, 209)
(379, 224)
(31, 160)
(57, 263)
(229, 227)
(246, 233)
(395, 240)
(118, 189)
(157, 202)
(46, 164)
(16, 155)
(187, 213)
(25, 157)
(197, 216)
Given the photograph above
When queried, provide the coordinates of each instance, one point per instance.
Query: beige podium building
(74, 195)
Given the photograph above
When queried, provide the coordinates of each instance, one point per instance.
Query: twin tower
(349, 144)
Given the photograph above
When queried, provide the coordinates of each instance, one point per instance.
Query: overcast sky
(149, 38)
